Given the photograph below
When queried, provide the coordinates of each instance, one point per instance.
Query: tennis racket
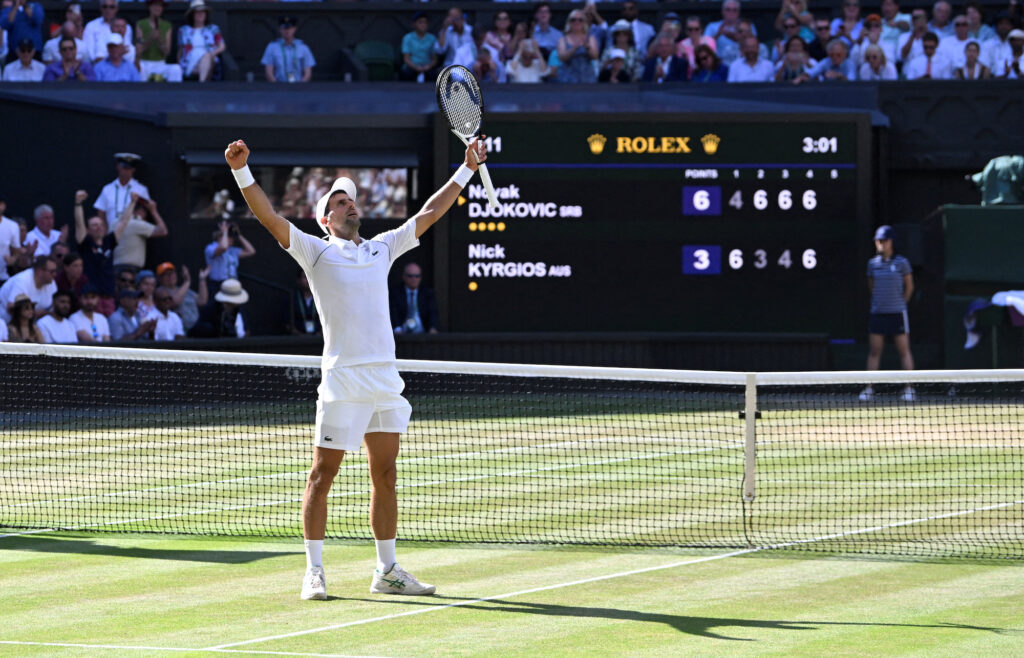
(462, 104)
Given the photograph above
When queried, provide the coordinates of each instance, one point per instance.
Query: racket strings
(461, 103)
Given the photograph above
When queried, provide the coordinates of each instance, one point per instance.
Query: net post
(750, 450)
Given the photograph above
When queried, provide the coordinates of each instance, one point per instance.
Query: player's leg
(381, 455)
(314, 518)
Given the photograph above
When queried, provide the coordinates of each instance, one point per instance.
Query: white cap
(616, 53)
(340, 185)
(1016, 34)
(115, 39)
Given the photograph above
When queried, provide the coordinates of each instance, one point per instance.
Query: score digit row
(707, 259)
(707, 200)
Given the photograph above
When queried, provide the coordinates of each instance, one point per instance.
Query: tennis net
(107, 439)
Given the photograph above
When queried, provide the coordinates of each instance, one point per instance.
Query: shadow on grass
(699, 626)
(91, 547)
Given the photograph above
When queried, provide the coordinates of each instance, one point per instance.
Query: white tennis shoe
(314, 585)
(866, 394)
(399, 581)
(908, 395)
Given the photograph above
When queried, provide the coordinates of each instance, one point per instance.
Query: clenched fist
(236, 154)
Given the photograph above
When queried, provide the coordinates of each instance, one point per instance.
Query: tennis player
(360, 397)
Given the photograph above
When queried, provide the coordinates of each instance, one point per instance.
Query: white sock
(314, 553)
(385, 555)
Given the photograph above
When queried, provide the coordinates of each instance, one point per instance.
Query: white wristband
(243, 177)
(462, 175)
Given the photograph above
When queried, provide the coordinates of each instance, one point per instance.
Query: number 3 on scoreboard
(702, 259)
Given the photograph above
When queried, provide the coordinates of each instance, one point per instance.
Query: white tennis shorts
(356, 400)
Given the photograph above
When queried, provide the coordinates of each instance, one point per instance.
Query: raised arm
(80, 231)
(237, 155)
(439, 203)
(126, 216)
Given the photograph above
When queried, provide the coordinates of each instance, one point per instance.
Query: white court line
(177, 649)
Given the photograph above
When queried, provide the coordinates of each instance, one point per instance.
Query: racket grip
(488, 186)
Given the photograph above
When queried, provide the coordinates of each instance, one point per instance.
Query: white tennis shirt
(350, 285)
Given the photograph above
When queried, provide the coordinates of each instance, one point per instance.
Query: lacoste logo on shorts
(327, 438)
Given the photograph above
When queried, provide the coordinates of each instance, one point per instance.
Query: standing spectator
(972, 68)
(909, 46)
(848, 26)
(795, 62)
(794, 11)
(22, 20)
(1012, 65)
(146, 282)
(72, 275)
(546, 36)
(876, 65)
(454, 34)
(90, 325)
(931, 64)
(98, 30)
(836, 67)
(288, 59)
(499, 36)
(199, 43)
(976, 28)
(724, 32)
(131, 247)
(598, 25)
(528, 65)
(10, 243)
(520, 33)
(117, 194)
(940, 25)
(621, 38)
(70, 67)
(997, 50)
(752, 68)
(126, 323)
(115, 68)
(223, 254)
(51, 49)
(952, 46)
(790, 29)
(816, 47)
(35, 283)
(96, 247)
(694, 37)
(168, 323)
(891, 282)
(303, 317)
(55, 325)
(709, 67)
(184, 301)
(419, 60)
(642, 32)
(43, 234)
(664, 66)
(413, 309)
(153, 44)
(746, 29)
(22, 328)
(226, 318)
(471, 55)
(894, 23)
(25, 69)
(577, 50)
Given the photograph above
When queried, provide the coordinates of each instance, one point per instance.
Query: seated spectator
(795, 62)
(115, 68)
(872, 36)
(288, 59)
(10, 244)
(671, 26)
(51, 49)
(90, 325)
(199, 44)
(849, 25)
(419, 61)
(837, 66)
(146, 283)
(55, 325)
(28, 250)
(621, 38)
(455, 33)
(528, 65)
(816, 47)
(894, 24)
(724, 32)
(168, 323)
(185, 301)
(22, 328)
(931, 64)
(72, 276)
(153, 41)
(223, 254)
(615, 70)
(694, 37)
(25, 69)
(126, 323)
(751, 68)
(952, 46)
(60, 251)
(793, 20)
(709, 67)
(43, 235)
(303, 317)
(546, 36)
(499, 37)
(225, 318)
(909, 45)
(413, 309)
(746, 29)
(790, 29)
(36, 283)
(940, 24)
(98, 30)
(487, 68)
(71, 67)
(976, 28)
(972, 68)
(469, 55)
(664, 65)
(997, 49)
(1011, 65)
(21, 20)
(97, 246)
(131, 247)
(876, 65)
(124, 279)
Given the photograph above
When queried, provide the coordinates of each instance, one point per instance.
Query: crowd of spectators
(583, 46)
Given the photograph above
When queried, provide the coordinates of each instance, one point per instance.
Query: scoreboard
(738, 223)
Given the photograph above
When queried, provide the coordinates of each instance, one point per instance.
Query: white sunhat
(342, 184)
(231, 291)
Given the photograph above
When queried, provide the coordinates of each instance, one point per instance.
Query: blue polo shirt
(420, 50)
(887, 292)
(107, 72)
(287, 59)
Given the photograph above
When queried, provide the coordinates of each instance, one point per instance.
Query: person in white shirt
(99, 29)
(909, 44)
(997, 50)
(168, 323)
(25, 69)
(953, 45)
(90, 325)
(528, 65)
(751, 68)
(117, 194)
(10, 242)
(468, 53)
(35, 283)
(1012, 66)
(872, 36)
(55, 325)
(51, 49)
(894, 23)
(931, 65)
(876, 65)
(454, 34)
(360, 394)
(43, 234)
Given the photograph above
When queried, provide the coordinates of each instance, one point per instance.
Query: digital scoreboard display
(722, 223)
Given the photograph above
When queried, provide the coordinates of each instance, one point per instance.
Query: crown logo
(710, 142)
(597, 142)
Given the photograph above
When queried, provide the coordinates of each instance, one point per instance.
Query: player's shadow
(91, 547)
(700, 626)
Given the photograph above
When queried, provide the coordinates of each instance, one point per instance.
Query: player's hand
(81, 196)
(236, 154)
(476, 152)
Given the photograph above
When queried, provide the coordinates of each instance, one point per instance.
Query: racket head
(459, 99)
